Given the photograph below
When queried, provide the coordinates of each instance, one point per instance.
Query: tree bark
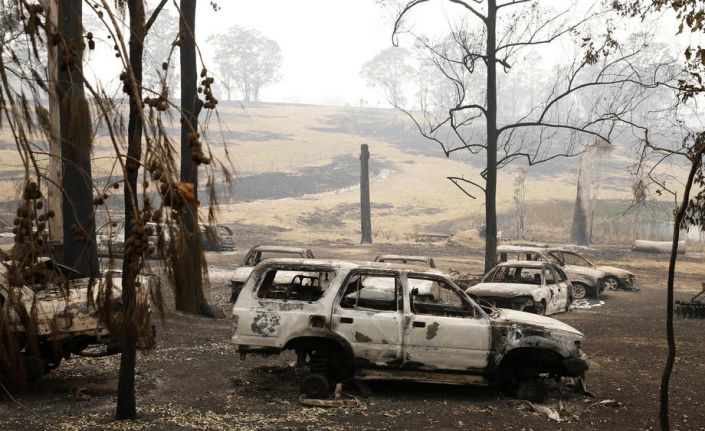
(126, 403)
(670, 335)
(54, 197)
(491, 185)
(578, 231)
(365, 217)
(188, 265)
(79, 247)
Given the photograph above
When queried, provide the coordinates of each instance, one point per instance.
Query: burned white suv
(375, 321)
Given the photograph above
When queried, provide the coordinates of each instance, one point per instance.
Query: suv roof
(347, 264)
(286, 249)
(522, 248)
(526, 263)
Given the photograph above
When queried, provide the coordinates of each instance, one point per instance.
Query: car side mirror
(414, 291)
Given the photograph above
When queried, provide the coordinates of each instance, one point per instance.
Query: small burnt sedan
(535, 286)
(615, 278)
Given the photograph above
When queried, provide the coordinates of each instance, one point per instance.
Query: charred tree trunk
(696, 161)
(79, 248)
(126, 403)
(188, 265)
(54, 197)
(579, 228)
(365, 216)
(491, 185)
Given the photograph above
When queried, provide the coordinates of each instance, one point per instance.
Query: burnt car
(258, 254)
(374, 321)
(535, 286)
(423, 261)
(586, 281)
(614, 279)
(110, 237)
(67, 320)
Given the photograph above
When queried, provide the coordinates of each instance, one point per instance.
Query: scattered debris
(340, 399)
(79, 394)
(549, 412)
(693, 309)
(586, 304)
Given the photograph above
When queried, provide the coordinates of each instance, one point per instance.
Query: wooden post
(365, 218)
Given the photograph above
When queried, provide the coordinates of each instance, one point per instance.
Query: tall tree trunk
(578, 231)
(188, 266)
(79, 248)
(491, 185)
(593, 202)
(696, 161)
(54, 195)
(126, 403)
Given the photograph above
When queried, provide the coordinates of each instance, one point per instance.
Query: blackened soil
(195, 380)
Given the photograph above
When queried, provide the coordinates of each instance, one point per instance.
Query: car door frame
(561, 291)
(369, 347)
(474, 359)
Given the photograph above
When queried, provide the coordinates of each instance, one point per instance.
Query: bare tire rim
(611, 283)
(578, 291)
(540, 308)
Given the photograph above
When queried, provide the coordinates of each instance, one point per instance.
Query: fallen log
(657, 246)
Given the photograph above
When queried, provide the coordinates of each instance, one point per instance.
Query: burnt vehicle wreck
(64, 316)
(535, 286)
(371, 321)
(258, 254)
(586, 280)
(110, 238)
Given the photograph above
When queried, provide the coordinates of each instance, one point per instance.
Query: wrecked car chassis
(66, 320)
(430, 334)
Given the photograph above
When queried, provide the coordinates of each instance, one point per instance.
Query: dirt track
(195, 379)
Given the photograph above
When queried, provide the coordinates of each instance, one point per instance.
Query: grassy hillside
(411, 195)
(296, 171)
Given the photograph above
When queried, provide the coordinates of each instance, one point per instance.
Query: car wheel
(532, 390)
(579, 291)
(540, 308)
(316, 386)
(611, 283)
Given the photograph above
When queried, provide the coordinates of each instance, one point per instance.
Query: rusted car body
(586, 281)
(67, 320)
(536, 286)
(258, 254)
(379, 321)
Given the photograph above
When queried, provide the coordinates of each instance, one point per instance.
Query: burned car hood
(509, 317)
(241, 274)
(508, 290)
(617, 272)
